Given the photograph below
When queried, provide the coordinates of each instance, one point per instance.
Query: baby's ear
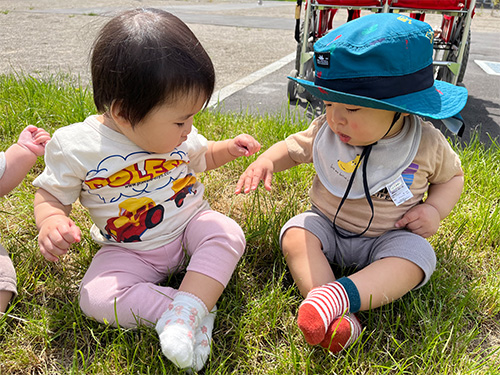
(117, 114)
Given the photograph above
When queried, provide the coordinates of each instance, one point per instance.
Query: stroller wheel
(309, 76)
(292, 86)
(444, 74)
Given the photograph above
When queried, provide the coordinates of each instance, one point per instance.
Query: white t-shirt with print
(140, 199)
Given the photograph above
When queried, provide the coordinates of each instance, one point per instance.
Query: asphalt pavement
(252, 47)
(481, 113)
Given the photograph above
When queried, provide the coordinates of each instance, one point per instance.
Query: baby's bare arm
(444, 197)
(21, 156)
(18, 162)
(424, 218)
(275, 159)
(222, 152)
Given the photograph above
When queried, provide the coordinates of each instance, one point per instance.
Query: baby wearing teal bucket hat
(375, 159)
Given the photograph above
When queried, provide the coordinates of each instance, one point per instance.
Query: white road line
(229, 90)
(490, 67)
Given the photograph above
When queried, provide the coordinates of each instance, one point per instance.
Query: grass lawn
(450, 326)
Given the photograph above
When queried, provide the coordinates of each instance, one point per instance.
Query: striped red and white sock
(324, 304)
(343, 331)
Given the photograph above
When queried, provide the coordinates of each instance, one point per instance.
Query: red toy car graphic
(136, 216)
(182, 188)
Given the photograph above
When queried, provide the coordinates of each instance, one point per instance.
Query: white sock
(177, 326)
(203, 339)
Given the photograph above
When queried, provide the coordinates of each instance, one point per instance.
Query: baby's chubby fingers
(49, 248)
(50, 253)
(422, 219)
(56, 242)
(246, 183)
(267, 180)
(408, 219)
(71, 233)
(246, 145)
(41, 137)
(249, 180)
(30, 128)
(34, 139)
(242, 184)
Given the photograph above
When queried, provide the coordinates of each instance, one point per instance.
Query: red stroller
(451, 43)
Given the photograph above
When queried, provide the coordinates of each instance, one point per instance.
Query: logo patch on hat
(322, 59)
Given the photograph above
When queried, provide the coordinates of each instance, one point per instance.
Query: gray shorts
(361, 251)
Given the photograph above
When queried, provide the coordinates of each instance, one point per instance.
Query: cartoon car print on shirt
(182, 187)
(136, 216)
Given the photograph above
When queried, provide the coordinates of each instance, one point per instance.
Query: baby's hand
(422, 219)
(243, 145)
(34, 139)
(56, 235)
(260, 169)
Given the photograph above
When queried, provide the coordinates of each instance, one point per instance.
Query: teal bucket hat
(384, 61)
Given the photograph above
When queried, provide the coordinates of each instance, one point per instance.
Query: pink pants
(123, 284)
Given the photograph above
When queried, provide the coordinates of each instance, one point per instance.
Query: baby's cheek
(354, 125)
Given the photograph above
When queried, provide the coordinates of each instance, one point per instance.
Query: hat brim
(440, 101)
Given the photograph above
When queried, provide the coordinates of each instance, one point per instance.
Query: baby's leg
(215, 244)
(379, 283)
(7, 279)
(120, 285)
(386, 280)
(401, 261)
(305, 259)
(310, 269)
(5, 298)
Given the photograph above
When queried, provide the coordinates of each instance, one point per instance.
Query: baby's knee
(213, 230)
(225, 233)
(293, 241)
(96, 303)
(236, 237)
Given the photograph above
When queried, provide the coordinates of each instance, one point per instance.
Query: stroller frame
(451, 43)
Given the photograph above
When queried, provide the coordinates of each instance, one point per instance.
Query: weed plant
(450, 326)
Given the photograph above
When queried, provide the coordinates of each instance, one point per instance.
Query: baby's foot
(342, 332)
(176, 328)
(321, 306)
(203, 339)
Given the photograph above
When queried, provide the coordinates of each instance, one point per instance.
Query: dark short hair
(143, 58)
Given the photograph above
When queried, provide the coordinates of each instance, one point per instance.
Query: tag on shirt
(398, 191)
